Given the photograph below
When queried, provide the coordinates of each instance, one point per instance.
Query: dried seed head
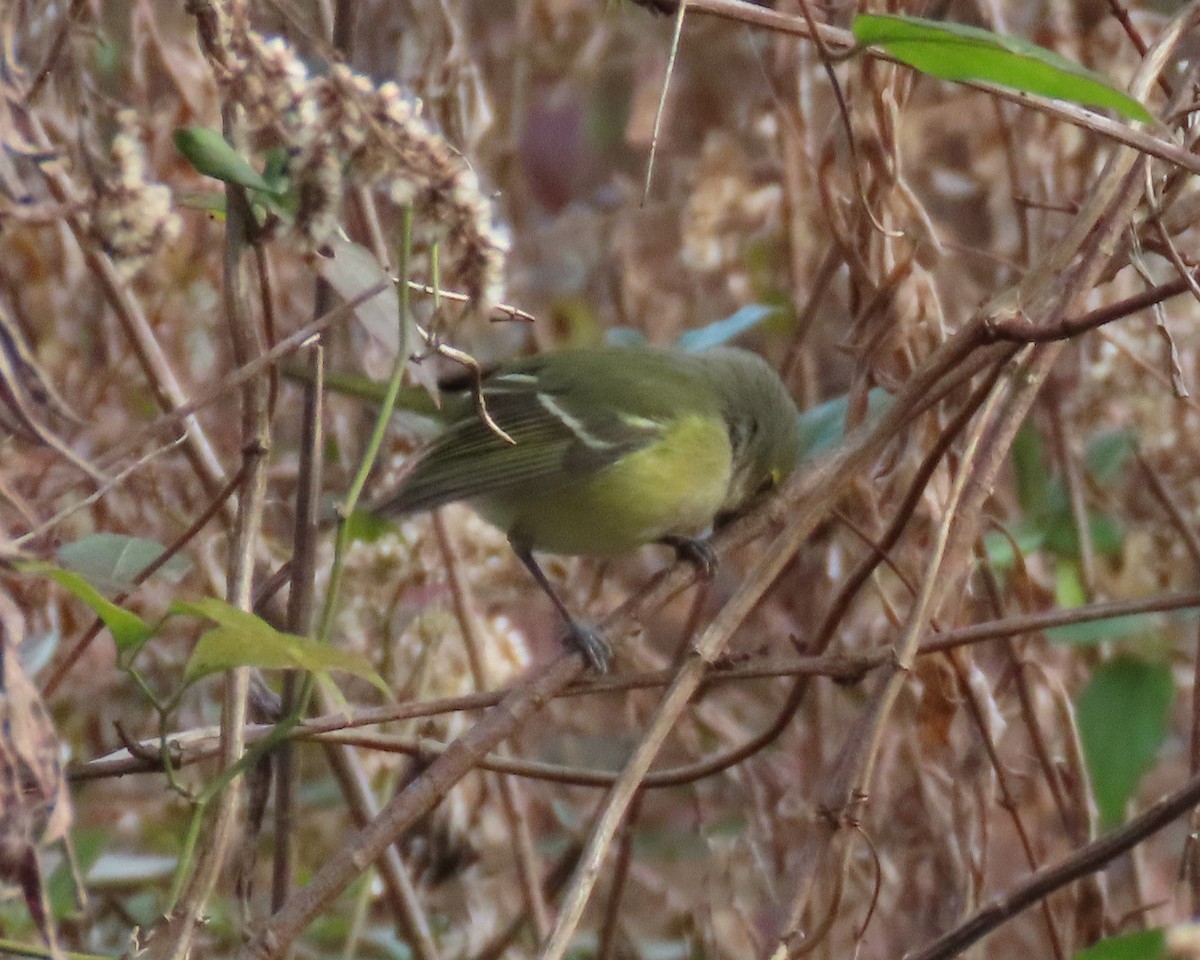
(344, 130)
(130, 215)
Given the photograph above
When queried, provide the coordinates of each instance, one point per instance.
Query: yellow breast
(674, 486)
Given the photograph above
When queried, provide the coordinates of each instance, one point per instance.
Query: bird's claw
(590, 644)
(697, 552)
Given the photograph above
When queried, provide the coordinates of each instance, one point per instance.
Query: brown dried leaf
(34, 805)
(938, 703)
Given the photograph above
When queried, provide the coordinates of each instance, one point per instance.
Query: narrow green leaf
(722, 331)
(206, 201)
(224, 648)
(214, 156)
(953, 51)
(110, 561)
(1122, 722)
(242, 639)
(128, 629)
(1142, 945)
(224, 614)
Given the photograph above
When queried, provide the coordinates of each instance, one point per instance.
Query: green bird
(611, 448)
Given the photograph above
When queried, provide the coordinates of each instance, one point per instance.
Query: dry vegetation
(853, 784)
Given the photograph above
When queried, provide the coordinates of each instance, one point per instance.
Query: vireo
(612, 448)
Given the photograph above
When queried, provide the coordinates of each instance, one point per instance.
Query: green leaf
(1107, 454)
(1108, 536)
(242, 639)
(1045, 500)
(824, 425)
(214, 156)
(1029, 465)
(1102, 631)
(1122, 722)
(722, 331)
(1062, 536)
(224, 614)
(206, 201)
(953, 51)
(1148, 628)
(1028, 536)
(87, 845)
(224, 648)
(368, 527)
(1068, 587)
(111, 560)
(128, 629)
(1143, 945)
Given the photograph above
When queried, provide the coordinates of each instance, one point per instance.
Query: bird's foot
(698, 552)
(589, 643)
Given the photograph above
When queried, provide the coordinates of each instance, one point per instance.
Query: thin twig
(243, 374)
(300, 599)
(108, 485)
(464, 359)
(193, 746)
(610, 925)
(662, 97)
(507, 310)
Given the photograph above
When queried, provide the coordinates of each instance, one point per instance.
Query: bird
(598, 451)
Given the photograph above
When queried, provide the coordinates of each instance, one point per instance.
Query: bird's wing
(558, 438)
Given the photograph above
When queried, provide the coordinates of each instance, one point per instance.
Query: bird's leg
(699, 552)
(583, 639)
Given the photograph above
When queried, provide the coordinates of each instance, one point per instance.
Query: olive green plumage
(614, 447)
